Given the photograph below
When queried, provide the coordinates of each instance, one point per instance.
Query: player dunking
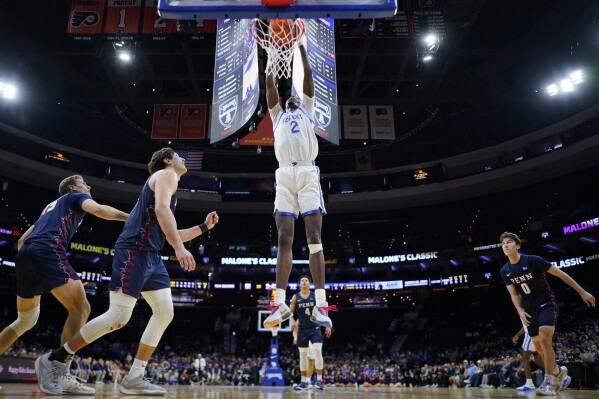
(42, 266)
(298, 191)
(308, 333)
(138, 268)
(525, 277)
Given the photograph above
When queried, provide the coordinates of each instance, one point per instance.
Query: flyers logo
(193, 111)
(165, 111)
(88, 18)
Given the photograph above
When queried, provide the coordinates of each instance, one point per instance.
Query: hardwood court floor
(24, 390)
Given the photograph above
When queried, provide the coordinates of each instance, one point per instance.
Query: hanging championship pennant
(85, 18)
(382, 126)
(355, 122)
(193, 121)
(165, 121)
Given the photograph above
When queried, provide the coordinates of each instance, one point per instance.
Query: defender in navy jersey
(309, 335)
(525, 277)
(297, 191)
(138, 269)
(42, 266)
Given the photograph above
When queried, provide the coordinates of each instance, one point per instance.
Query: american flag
(193, 159)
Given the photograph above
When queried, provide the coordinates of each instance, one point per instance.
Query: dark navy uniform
(307, 331)
(137, 265)
(529, 276)
(42, 263)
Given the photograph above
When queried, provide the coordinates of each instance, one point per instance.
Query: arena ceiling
(487, 79)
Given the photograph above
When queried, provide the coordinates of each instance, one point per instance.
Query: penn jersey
(529, 276)
(295, 140)
(141, 230)
(58, 222)
(304, 309)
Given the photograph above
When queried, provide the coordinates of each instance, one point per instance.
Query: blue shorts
(307, 335)
(541, 316)
(41, 269)
(134, 271)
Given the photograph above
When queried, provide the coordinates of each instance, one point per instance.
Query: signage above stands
(402, 258)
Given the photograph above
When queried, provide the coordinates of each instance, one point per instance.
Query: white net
(279, 38)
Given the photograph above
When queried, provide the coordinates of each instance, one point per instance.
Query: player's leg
(161, 303)
(303, 347)
(28, 300)
(318, 364)
(28, 310)
(72, 296)
(554, 375)
(311, 357)
(285, 222)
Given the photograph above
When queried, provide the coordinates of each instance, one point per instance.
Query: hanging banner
(165, 121)
(321, 53)
(264, 136)
(363, 161)
(153, 25)
(355, 122)
(122, 19)
(382, 126)
(193, 121)
(236, 87)
(428, 18)
(85, 19)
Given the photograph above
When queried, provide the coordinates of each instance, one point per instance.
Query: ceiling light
(552, 89)
(124, 56)
(576, 77)
(7, 90)
(566, 85)
(427, 58)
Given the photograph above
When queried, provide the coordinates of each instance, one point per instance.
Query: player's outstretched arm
(308, 79)
(193, 232)
(587, 298)
(103, 211)
(272, 94)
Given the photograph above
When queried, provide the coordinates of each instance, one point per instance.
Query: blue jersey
(529, 276)
(141, 230)
(304, 309)
(58, 222)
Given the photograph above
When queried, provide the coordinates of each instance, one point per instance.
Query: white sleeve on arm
(308, 106)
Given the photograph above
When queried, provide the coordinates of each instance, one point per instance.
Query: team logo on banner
(88, 18)
(322, 112)
(227, 112)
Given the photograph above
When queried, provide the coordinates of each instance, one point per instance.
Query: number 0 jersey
(295, 140)
(529, 276)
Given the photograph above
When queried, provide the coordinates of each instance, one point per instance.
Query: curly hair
(63, 187)
(507, 234)
(157, 161)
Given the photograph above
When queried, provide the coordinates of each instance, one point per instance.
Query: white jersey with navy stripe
(295, 140)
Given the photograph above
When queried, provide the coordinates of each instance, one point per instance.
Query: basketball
(281, 30)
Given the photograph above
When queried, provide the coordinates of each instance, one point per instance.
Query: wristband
(203, 227)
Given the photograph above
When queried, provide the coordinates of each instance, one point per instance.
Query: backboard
(249, 9)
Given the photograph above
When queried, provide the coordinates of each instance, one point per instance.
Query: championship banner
(85, 19)
(165, 121)
(154, 25)
(382, 125)
(321, 53)
(122, 19)
(236, 86)
(193, 121)
(355, 122)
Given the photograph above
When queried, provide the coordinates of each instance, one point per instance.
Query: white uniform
(527, 343)
(296, 148)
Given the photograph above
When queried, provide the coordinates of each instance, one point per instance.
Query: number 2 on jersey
(294, 127)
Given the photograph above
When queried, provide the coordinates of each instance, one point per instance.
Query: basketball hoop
(279, 38)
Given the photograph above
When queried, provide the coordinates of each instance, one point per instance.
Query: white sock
(305, 379)
(138, 368)
(529, 382)
(279, 296)
(321, 296)
(318, 377)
